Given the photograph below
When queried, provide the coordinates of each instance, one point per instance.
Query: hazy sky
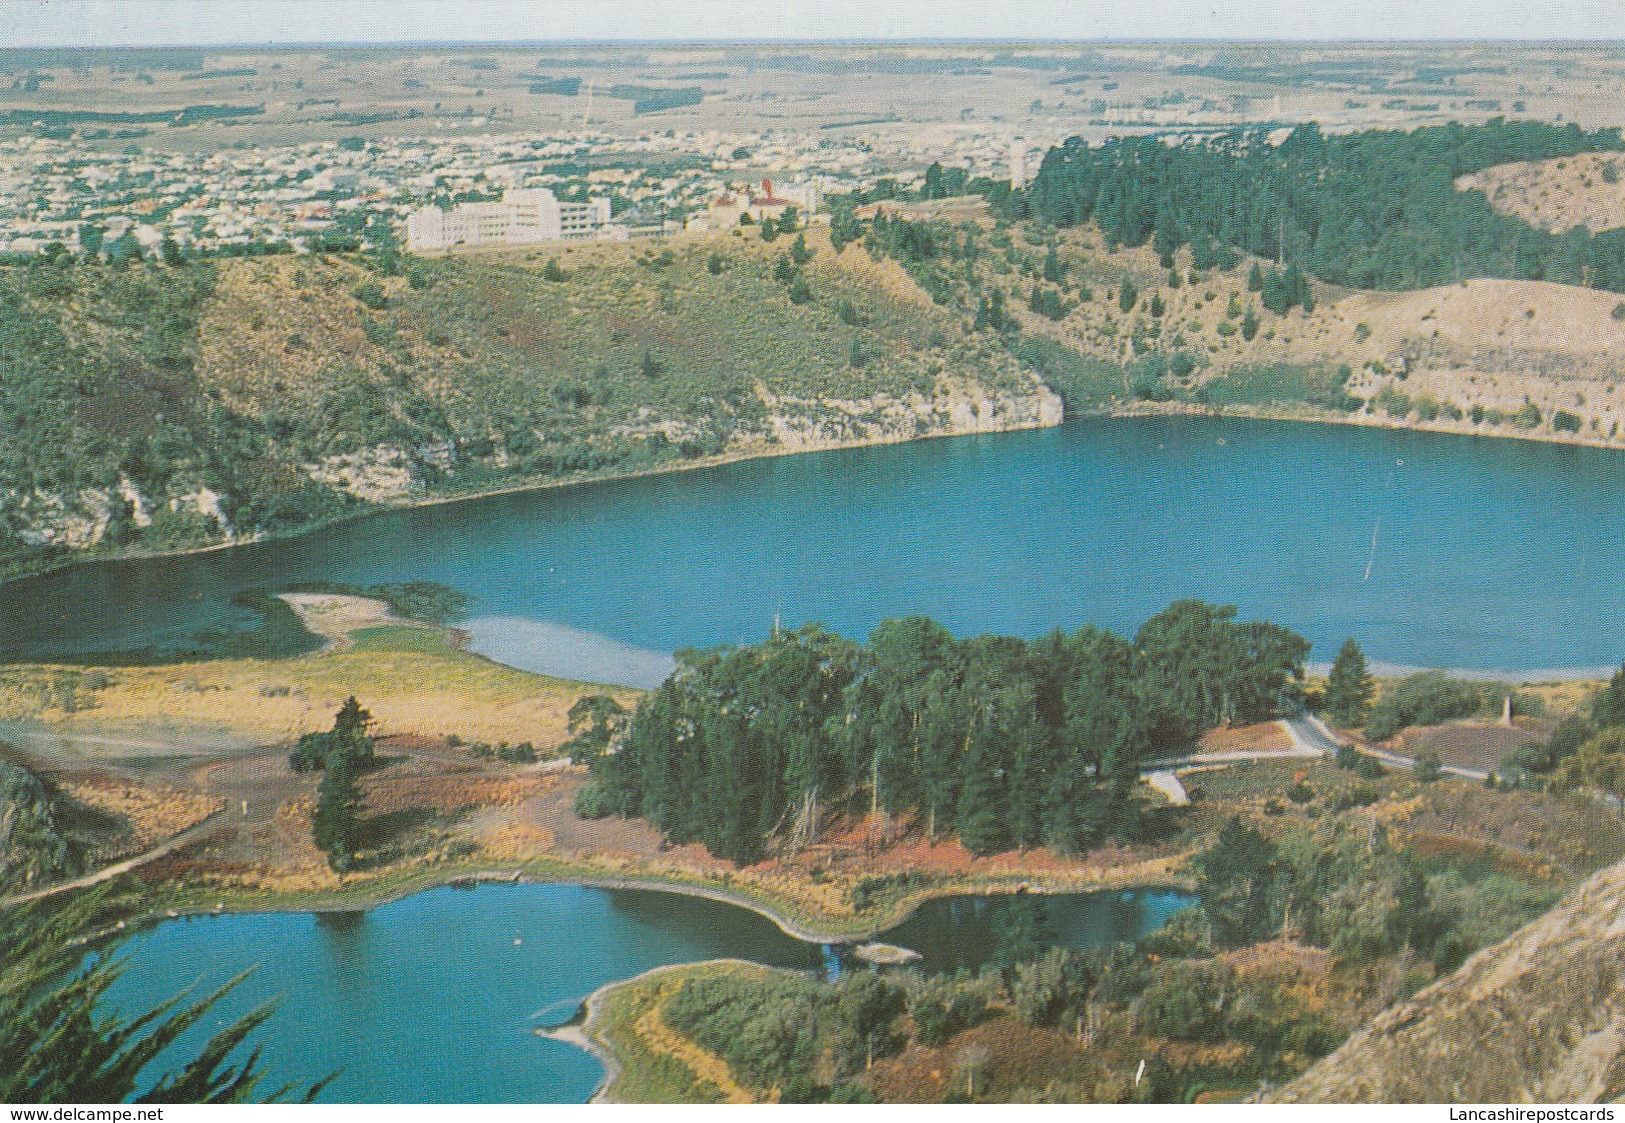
(153, 22)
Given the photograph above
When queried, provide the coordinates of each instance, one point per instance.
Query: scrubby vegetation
(160, 406)
(101, 392)
(1424, 699)
(36, 843)
(1586, 750)
(788, 1031)
(1307, 923)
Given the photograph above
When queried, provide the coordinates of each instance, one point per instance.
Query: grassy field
(1038, 89)
(415, 682)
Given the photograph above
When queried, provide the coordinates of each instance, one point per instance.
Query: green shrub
(1395, 403)
(594, 801)
(1428, 768)
(1424, 699)
(371, 293)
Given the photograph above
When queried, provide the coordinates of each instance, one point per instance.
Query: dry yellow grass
(1557, 194)
(1267, 736)
(1489, 343)
(425, 693)
(661, 1040)
(275, 325)
(153, 813)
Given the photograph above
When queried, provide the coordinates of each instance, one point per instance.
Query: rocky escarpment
(283, 392)
(1539, 1017)
(86, 518)
(956, 407)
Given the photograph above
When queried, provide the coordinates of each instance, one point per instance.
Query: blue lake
(434, 998)
(1432, 549)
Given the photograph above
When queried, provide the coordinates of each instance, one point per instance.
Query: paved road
(1168, 784)
(1307, 730)
(1312, 739)
(1395, 760)
(1308, 743)
(1311, 734)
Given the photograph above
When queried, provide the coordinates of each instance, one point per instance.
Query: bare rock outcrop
(1539, 1017)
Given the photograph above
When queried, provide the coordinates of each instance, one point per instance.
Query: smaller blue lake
(434, 998)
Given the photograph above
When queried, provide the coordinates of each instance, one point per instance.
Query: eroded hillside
(1558, 194)
(156, 407)
(1539, 1017)
(1149, 330)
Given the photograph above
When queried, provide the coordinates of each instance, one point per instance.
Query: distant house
(803, 199)
(724, 211)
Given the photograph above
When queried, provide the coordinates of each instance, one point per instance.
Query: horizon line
(768, 41)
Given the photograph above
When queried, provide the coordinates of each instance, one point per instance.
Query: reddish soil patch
(1278, 955)
(1009, 1057)
(550, 808)
(901, 843)
(1476, 745)
(1264, 737)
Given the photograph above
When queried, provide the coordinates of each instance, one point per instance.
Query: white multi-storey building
(520, 218)
(1018, 165)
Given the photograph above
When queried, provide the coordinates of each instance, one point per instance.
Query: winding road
(1312, 739)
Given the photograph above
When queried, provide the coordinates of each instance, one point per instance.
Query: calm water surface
(434, 997)
(1433, 549)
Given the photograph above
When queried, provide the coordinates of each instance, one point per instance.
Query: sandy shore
(579, 1033)
(333, 616)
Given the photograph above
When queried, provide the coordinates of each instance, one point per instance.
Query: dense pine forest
(1375, 209)
(1003, 742)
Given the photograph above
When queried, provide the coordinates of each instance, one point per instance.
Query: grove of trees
(1004, 742)
(1375, 209)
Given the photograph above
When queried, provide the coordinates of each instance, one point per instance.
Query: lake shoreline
(365, 897)
(585, 1029)
(578, 1032)
(1288, 413)
(524, 488)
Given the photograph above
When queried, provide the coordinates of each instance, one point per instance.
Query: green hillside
(151, 406)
